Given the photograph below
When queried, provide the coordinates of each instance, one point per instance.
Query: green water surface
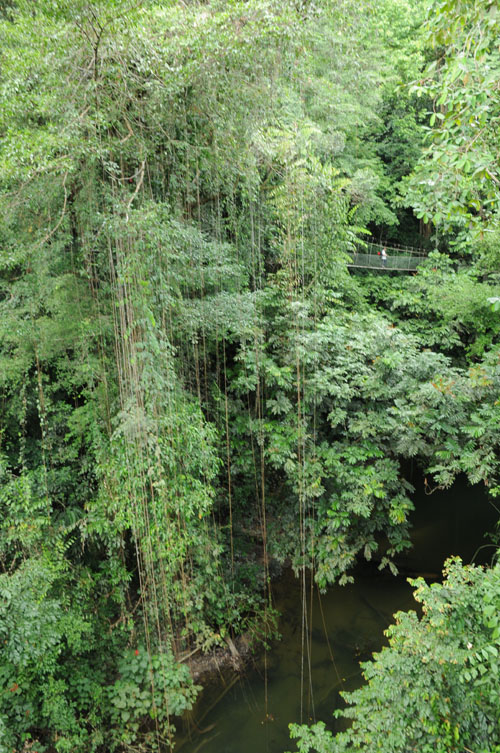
(324, 637)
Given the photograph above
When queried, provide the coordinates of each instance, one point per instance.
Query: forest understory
(197, 386)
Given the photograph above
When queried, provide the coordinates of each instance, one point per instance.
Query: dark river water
(325, 638)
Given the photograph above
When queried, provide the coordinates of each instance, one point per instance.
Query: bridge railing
(403, 259)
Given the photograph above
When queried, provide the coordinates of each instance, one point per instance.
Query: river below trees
(300, 677)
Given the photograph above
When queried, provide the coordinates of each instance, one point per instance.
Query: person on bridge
(384, 257)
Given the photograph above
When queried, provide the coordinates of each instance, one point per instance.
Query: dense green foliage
(460, 169)
(435, 687)
(193, 385)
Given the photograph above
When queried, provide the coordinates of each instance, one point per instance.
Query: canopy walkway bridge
(399, 258)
